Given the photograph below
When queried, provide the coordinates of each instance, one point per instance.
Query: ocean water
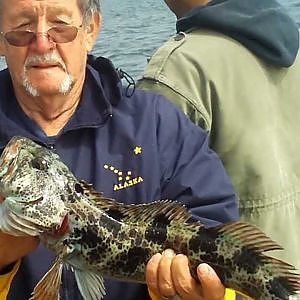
(132, 30)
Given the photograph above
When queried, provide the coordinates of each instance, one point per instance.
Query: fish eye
(78, 188)
(39, 164)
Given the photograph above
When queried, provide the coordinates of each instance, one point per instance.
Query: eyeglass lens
(58, 34)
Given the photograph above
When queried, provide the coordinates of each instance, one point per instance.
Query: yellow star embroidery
(137, 150)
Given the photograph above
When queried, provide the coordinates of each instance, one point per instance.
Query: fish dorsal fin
(48, 287)
(90, 284)
(146, 212)
(249, 235)
(97, 198)
(136, 212)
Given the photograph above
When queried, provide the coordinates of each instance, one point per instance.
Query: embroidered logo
(125, 179)
(137, 150)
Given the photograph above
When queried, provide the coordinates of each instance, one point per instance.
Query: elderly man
(57, 95)
(234, 69)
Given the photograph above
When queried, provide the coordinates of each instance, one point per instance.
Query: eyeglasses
(58, 34)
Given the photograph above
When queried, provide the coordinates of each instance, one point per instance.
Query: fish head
(33, 181)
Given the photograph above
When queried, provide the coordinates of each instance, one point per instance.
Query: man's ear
(92, 31)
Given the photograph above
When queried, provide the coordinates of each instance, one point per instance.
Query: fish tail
(237, 253)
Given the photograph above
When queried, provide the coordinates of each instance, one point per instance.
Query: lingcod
(43, 198)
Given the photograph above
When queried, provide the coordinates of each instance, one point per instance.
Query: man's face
(45, 67)
(171, 4)
(181, 7)
(178, 7)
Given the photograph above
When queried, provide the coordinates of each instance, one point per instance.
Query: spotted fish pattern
(98, 237)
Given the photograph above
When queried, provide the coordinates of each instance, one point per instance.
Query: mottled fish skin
(97, 235)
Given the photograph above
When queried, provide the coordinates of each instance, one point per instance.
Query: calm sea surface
(133, 29)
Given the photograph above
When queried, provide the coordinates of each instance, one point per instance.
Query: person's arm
(12, 249)
(229, 295)
(6, 278)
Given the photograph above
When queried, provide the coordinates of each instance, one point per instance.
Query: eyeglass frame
(42, 33)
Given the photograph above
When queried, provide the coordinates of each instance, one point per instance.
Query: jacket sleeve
(191, 172)
(229, 295)
(6, 280)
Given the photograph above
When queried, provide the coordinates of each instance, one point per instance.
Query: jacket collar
(102, 91)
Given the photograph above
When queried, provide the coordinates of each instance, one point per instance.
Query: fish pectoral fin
(48, 287)
(15, 225)
(90, 284)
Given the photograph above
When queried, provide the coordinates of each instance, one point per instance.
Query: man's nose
(42, 43)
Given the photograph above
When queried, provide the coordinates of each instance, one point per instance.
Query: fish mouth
(63, 228)
(33, 202)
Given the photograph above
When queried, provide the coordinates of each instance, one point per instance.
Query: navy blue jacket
(135, 149)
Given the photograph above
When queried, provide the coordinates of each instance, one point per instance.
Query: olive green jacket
(252, 113)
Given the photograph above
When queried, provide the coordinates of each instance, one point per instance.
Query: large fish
(97, 236)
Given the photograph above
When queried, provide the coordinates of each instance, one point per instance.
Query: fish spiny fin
(146, 212)
(96, 198)
(90, 284)
(48, 287)
(137, 212)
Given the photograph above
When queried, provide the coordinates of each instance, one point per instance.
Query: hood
(109, 78)
(262, 26)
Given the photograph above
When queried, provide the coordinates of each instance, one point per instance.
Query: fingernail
(204, 270)
(155, 258)
(168, 253)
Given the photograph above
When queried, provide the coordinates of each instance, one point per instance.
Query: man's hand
(168, 275)
(13, 248)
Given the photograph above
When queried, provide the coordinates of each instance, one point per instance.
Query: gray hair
(88, 9)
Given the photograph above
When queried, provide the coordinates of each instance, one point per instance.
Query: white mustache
(50, 58)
